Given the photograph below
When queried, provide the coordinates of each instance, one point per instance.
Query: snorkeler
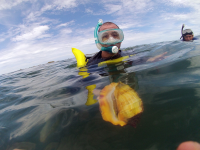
(108, 38)
(187, 34)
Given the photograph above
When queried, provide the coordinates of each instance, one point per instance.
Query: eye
(115, 34)
(105, 37)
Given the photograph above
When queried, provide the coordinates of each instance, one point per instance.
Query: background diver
(187, 34)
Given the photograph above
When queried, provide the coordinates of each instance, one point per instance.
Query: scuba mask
(110, 36)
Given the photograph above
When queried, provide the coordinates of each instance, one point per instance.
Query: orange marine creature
(120, 104)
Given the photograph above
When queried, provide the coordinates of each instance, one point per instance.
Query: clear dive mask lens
(187, 31)
(111, 36)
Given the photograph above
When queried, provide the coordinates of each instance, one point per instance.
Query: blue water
(43, 107)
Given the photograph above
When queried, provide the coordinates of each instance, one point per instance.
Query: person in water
(187, 34)
(108, 39)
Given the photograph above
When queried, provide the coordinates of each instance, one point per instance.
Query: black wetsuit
(195, 38)
(97, 58)
(117, 72)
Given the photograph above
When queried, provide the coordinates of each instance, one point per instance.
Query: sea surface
(45, 107)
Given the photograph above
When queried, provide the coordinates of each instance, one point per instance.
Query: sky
(34, 32)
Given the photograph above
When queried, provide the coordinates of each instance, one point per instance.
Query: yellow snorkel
(80, 57)
(90, 99)
(81, 63)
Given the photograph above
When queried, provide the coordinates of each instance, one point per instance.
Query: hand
(189, 145)
(158, 57)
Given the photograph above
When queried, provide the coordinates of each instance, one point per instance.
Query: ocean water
(44, 107)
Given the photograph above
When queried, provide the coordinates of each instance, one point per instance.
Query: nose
(110, 35)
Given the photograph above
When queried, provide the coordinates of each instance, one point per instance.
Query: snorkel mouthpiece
(110, 49)
(115, 49)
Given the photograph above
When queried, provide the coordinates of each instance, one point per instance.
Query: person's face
(106, 27)
(188, 37)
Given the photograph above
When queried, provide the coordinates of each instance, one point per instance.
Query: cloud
(137, 37)
(129, 13)
(3, 37)
(88, 10)
(137, 6)
(177, 16)
(110, 8)
(123, 7)
(24, 37)
(128, 25)
(65, 24)
(36, 33)
(186, 3)
(59, 4)
(189, 14)
(8, 4)
(52, 6)
(65, 31)
(63, 4)
(35, 52)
